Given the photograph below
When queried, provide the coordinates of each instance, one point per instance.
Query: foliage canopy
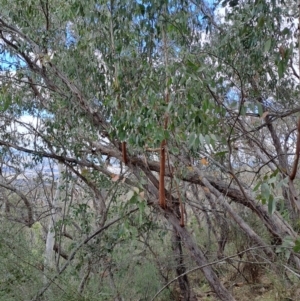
(107, 107)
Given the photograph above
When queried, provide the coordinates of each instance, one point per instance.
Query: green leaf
(192, 139)
(200, 69)
(261, 21)
(297, 246)
(142, 206)
(213, 136)
(272, 180)
(207, 139)
(271, 205)
(281, 67)
(256, 186)
(169, 106)
(265, 191)
(202, 141)
(267, 45)
(174, 150)
(192, 65)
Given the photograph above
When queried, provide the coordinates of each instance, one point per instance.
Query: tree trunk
(50, 239)
(180, 267)
(213, 280)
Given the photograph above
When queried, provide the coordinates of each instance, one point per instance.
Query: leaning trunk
(180, 267)
(211, 277)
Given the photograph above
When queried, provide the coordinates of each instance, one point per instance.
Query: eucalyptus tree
(181, 103)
